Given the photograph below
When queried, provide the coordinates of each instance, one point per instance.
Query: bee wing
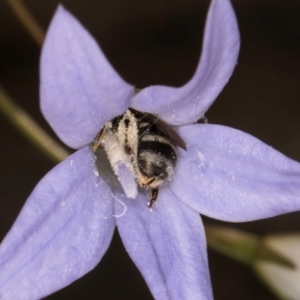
(165, 128)
(173, 135)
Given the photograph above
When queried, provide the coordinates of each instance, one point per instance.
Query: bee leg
(98, 139)
(154, 194)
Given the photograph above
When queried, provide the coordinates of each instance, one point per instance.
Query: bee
(148, 143)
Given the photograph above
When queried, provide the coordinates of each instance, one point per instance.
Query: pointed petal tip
(60, 11)
(80, 90)
(60, 8)
(220, 48)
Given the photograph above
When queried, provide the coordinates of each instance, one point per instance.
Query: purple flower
(67, 223)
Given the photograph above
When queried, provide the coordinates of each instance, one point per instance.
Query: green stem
(244, 247)
(26, 125)
(237, 244)
(27, 19)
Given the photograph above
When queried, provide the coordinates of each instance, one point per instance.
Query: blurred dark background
(151, 42)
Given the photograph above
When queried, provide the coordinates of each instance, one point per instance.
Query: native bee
(148, 143)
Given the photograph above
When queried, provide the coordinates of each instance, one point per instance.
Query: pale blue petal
(187, 104)
(126, 179)
(167, 244)
(229, 175)
(80, 91)
(62, 232)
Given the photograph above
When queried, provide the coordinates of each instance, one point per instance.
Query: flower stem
(27, 19)
(239, 245)
(26, 125)
(244, 247)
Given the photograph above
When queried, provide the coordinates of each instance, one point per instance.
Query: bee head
(154, 172)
